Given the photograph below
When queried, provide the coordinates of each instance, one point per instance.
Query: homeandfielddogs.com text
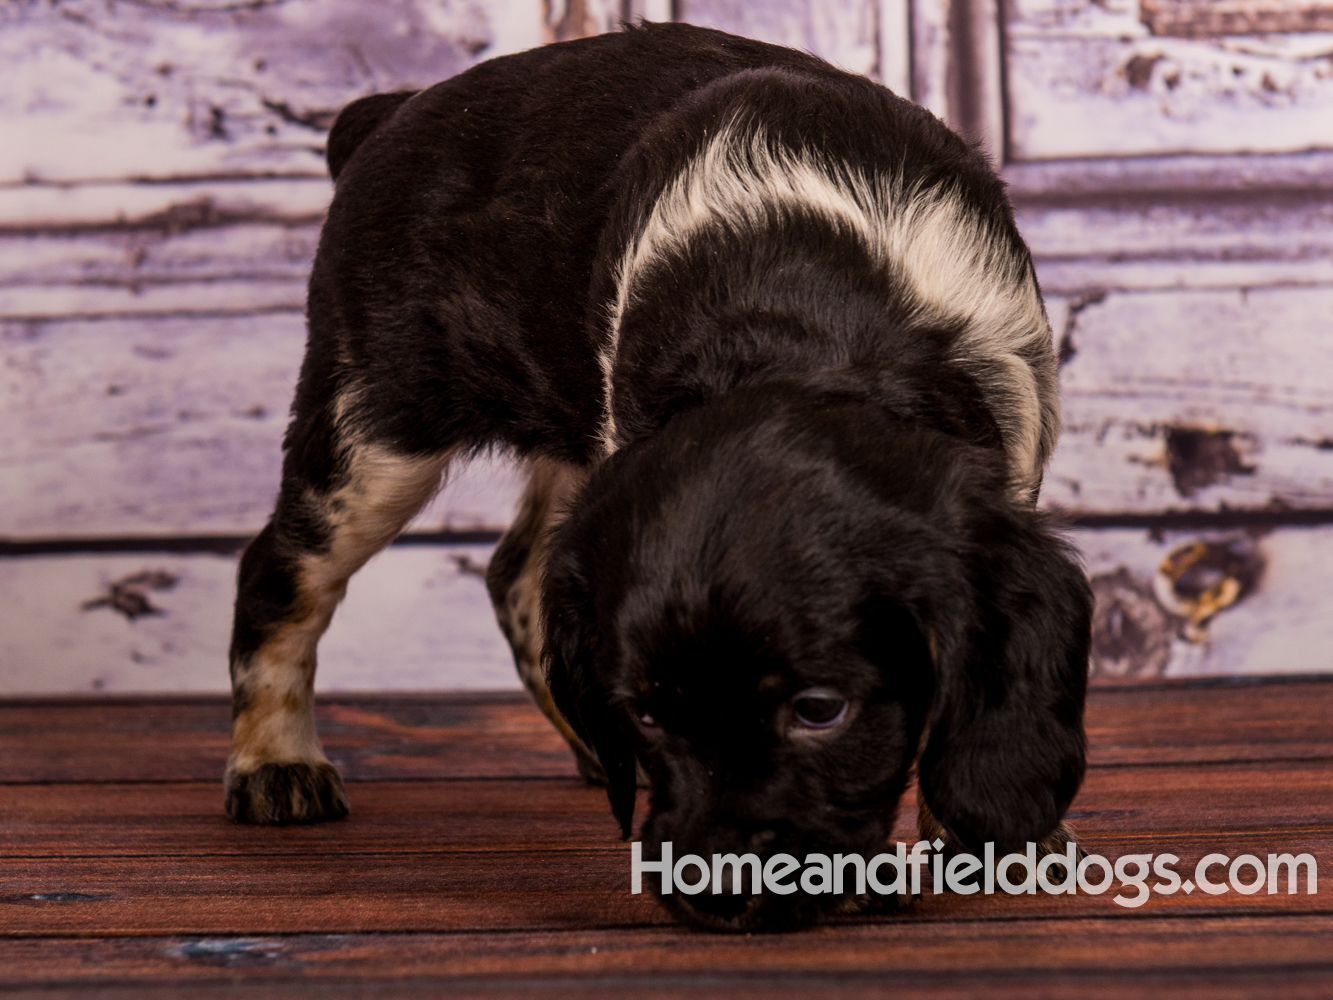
(908, 869)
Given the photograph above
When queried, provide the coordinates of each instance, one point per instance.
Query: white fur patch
(382, 492)
(958, 270)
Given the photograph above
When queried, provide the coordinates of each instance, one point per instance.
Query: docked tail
(355, 124)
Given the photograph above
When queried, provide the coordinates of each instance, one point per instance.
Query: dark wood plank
(1116, 811)
(435, 891)
(491, 735)
(367, 737)
(1101, 985)
(873, 953)
(69, 820)
(522, 890)
(1144, 802)
(1124, 983)
(1210, 720)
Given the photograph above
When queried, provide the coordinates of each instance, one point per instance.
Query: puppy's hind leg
(341, 502)
(514, 579)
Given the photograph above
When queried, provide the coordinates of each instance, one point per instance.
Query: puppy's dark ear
(571, 646)
(1006, 751)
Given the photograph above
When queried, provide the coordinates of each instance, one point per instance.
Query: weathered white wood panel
(173, 425)
(114, 90)
(1172, 243)
(1078, 276)
(1279, 625)
(1199, 400)
(119, 271)
(170, 207)
(413, 619)
(133, 256)
(1286, 229)
(135, 248)
(99, 249)
(124, 426)
(845, 32)
(170, 425)
(1261, 175)
(1086, 78)
(649, 10)
(92, 298)
(567, 19)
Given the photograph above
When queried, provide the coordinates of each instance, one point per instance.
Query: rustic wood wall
(162, 184)
(1172, 165)
(161, 190)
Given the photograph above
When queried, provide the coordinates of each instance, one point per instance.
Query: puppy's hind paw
(286, 793)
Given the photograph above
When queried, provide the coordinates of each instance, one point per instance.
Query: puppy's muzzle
(725, 909)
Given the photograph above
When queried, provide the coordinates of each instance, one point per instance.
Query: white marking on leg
(382, 492)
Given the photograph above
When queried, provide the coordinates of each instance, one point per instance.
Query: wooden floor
(476, 863)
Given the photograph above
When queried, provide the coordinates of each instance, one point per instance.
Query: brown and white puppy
(777, 356)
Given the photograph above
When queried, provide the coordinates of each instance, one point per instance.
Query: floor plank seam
(460, 779)
(780, 978)
(1248, 914)
(519, 848)
(1220, 762)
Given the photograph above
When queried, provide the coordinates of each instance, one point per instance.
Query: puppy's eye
(819, 708)
(646, 719)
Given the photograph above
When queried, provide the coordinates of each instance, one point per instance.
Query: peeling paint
(1202, 577)
(1067, 349)
(1131, 632)
(467, 565)
(1197, 457)
(1141, 624)
(1138, 69)
(129, 594)
(1200, 18)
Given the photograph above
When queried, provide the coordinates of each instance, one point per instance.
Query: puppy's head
(768, 604)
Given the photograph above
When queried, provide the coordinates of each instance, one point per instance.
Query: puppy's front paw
(285, 793)
(1056, 843)
(874, 903)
